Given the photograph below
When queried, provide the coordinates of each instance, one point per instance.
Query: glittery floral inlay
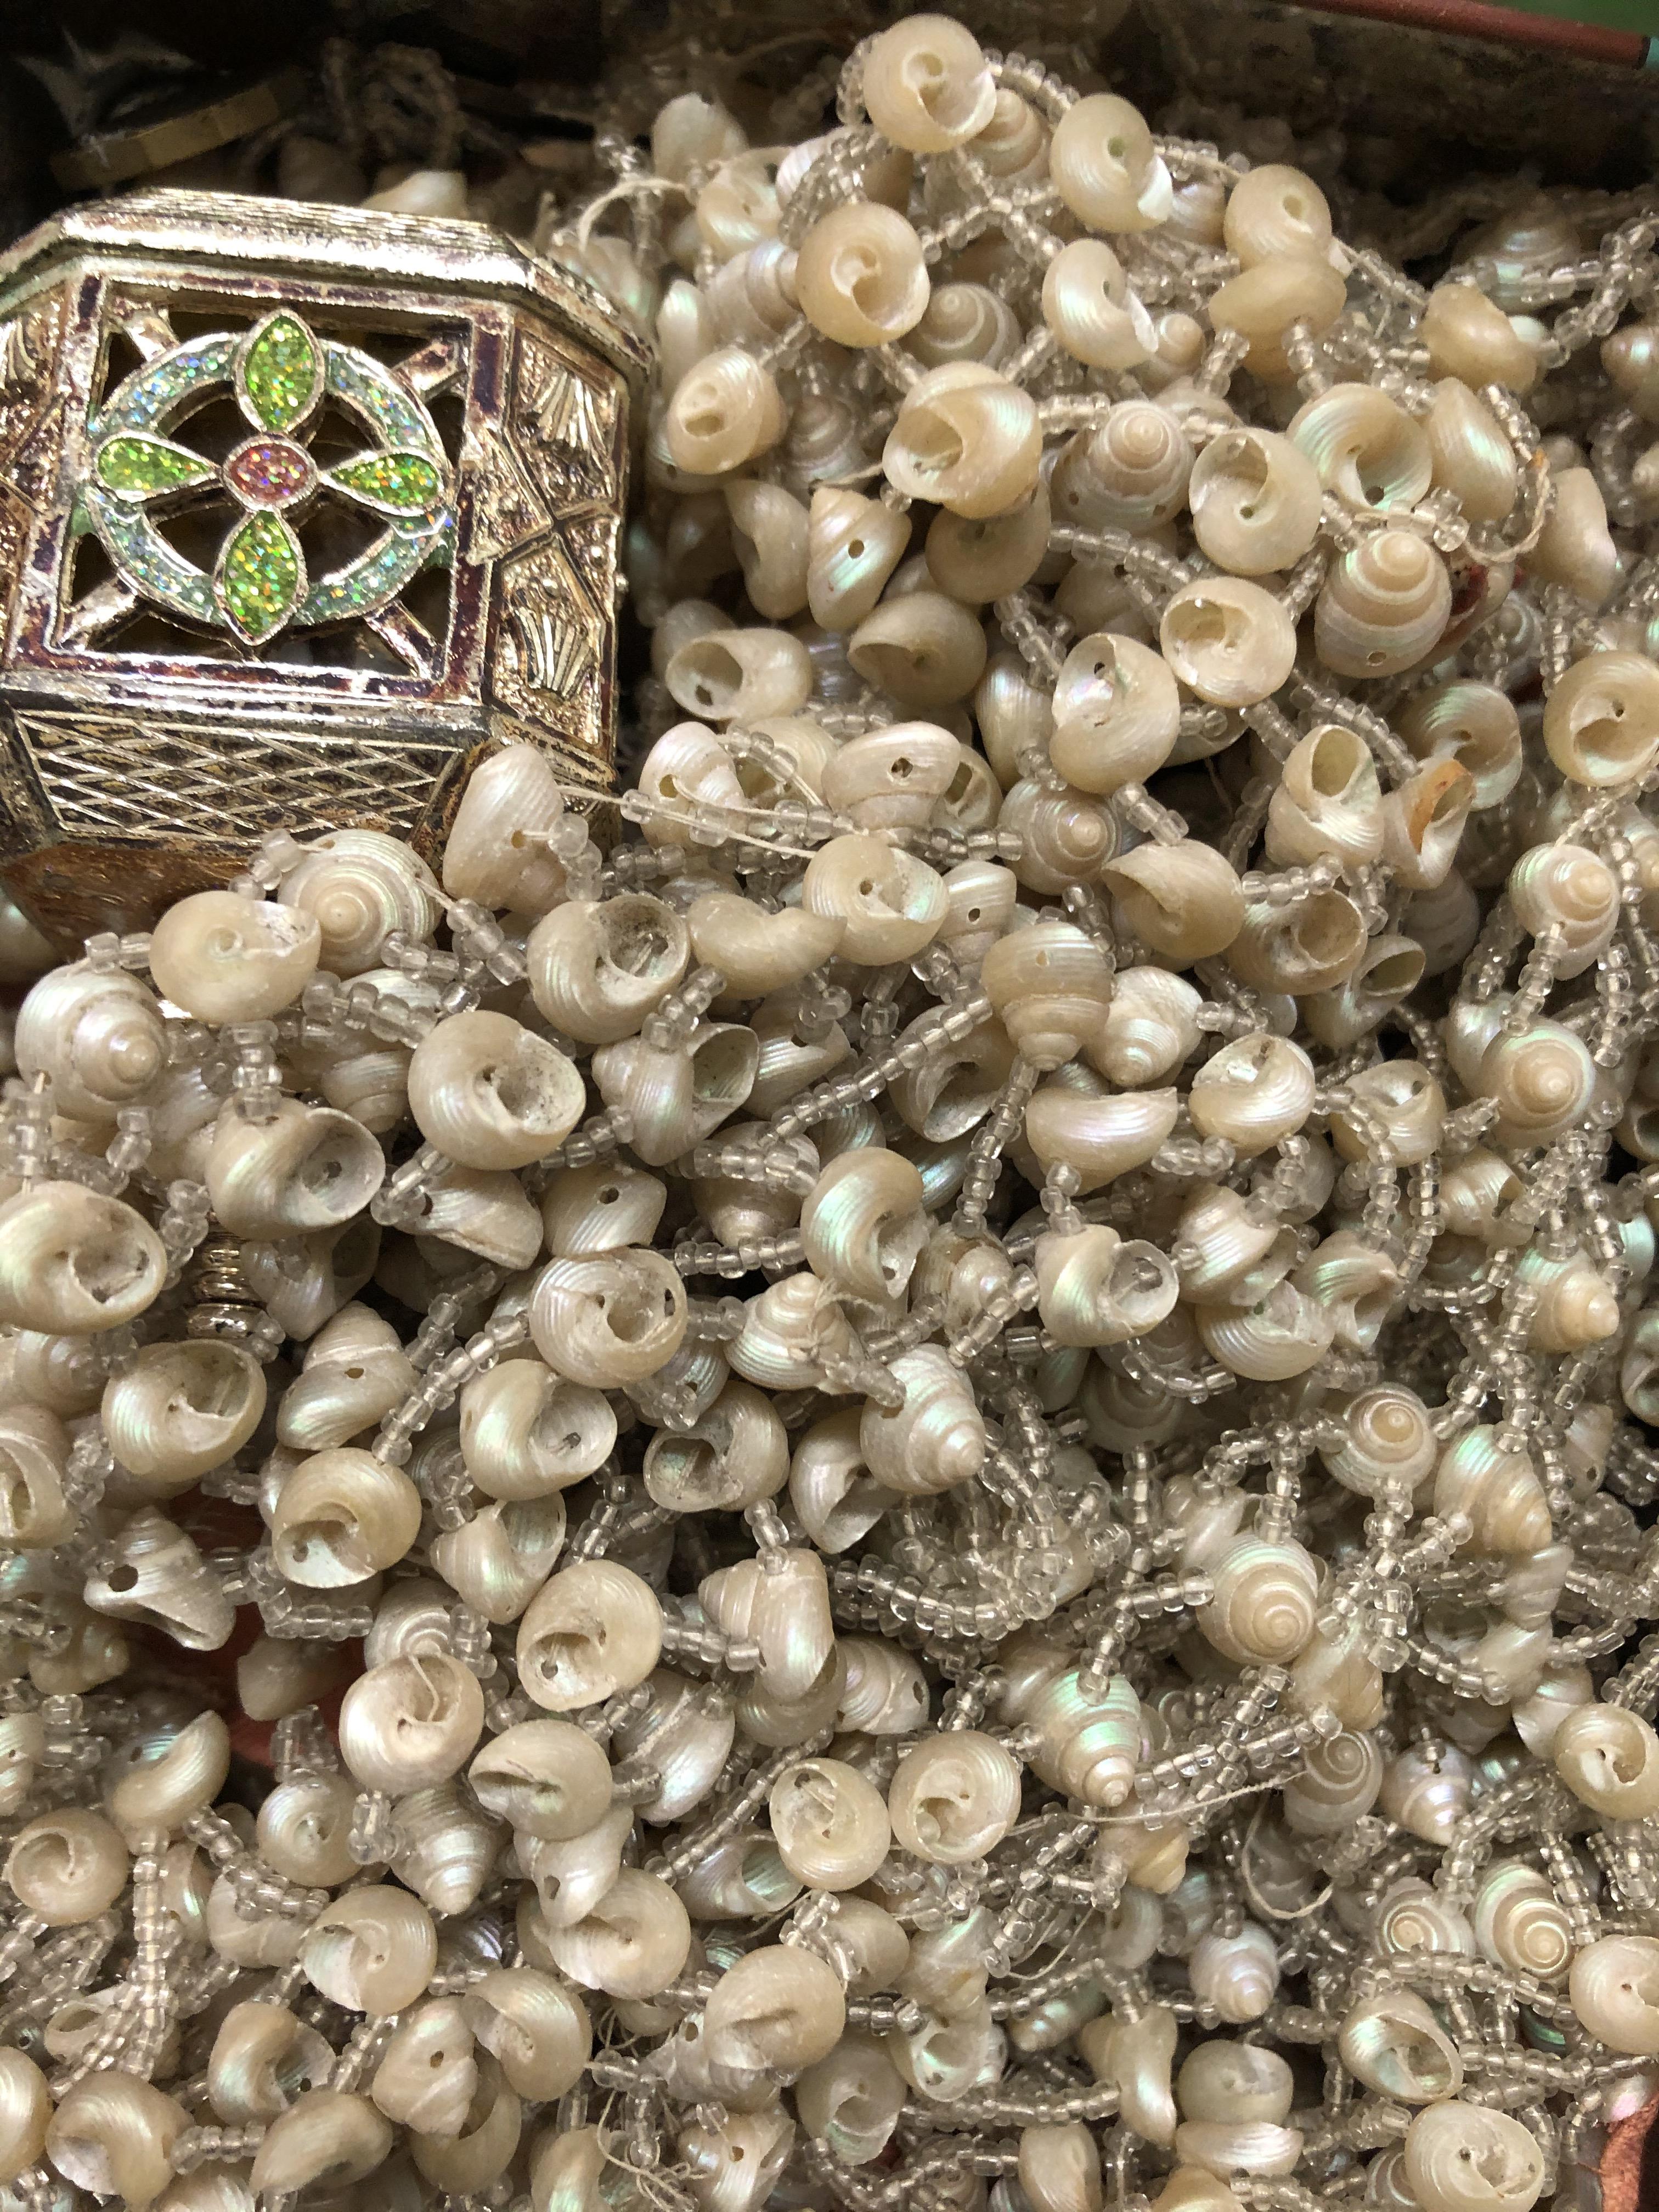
(282, 373)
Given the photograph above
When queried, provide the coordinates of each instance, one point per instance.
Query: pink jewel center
(269, 472)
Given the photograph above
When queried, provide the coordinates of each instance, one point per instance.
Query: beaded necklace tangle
(926, 1450)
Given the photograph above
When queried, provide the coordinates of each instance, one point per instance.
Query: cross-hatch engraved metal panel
(228, 787)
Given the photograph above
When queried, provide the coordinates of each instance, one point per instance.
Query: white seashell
(1105, 166)
(1130, 472)
(966, 438)
(1614, 1988)
(156, 1575)
(499, 1560)
(97, 1033)
(1393, 2044)
(358, 886)
(853, 546)
(734, 1454)
(1237, 1974)
(1254, 498)
(1450, 2142)
(1382, 606)
(935, 1438)
(1116, 712)
(593, 1629)
(1427, 1790)
(1329, 801)
(1520, 1924)
(954, 1796)
(496, 854)
(305, 1168)
(781, 1606)
(73, 1262)
(1095, 1289)
(490, 1093)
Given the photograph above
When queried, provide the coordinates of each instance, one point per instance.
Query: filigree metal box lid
(299, 506)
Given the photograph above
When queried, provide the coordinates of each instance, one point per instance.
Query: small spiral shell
(358, 886)
(1329, 801)
(227, 959)
(1340, 1783)
(1614, 1988)
(97, 1034)
(1467, 2158)
(927, 85)
(1471, 454)
(1255, 1092)
(784, 1611)
(1231, 642)
(1102, 1137)
(1265, 1601)
(676, 1096)
(1393, 2044)
(593, 1629)
(935, 1439)
(1050, 984)
(1601, 720)
(1254, 498)
(490, 1093)
(966, 438)
(1520, 1924)
(73, 1262)
(851, 2101)
(954, 1796)
(1089, 1737)
(854, 544)
(1096, 1289)
(861, 276)
(724, 411)
(734, 1454)
(862, 1222)
(1543, 1080)
(1383, 605)
(1130, 473)
(1105, 167)
(609, 1320)
(1475, 725)
(1366, 448)
(303, 1169)
(1282, 1333)
(1571, 889)
(1116, 712)
(1410, 1915)
(1150, 1027)
(1237, 1974)
(1427, 1790)
(1608, 1757)
(156, 1575)
(1088, 305)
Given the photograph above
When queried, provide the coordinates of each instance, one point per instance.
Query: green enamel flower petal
(260, 576)
(396, 482)
(280, 373)
(134, 467)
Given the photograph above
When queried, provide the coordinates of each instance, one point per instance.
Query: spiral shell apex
(98, 1035)
(1265, 1601)
(1383, 605)
(1519, 1924)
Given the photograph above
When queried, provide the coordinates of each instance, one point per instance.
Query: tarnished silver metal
(301, 507)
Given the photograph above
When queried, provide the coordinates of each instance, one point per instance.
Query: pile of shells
(932, 1487)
